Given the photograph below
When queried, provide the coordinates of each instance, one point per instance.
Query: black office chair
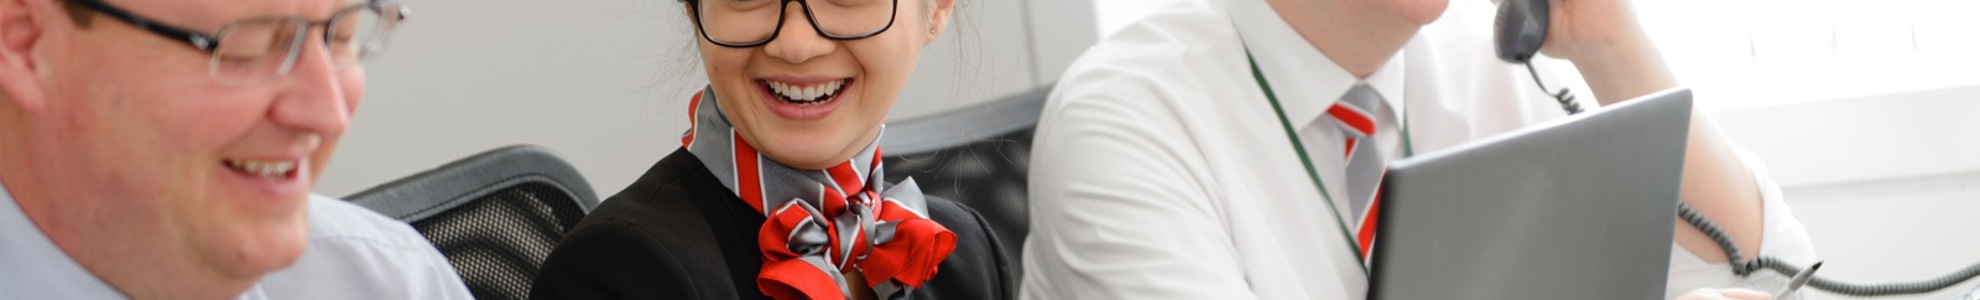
(977, 156)
(495, 215)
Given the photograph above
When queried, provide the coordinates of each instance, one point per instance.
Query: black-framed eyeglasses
(264, 48)
(751, 23)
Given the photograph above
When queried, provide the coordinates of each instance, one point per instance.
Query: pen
(1798, 280)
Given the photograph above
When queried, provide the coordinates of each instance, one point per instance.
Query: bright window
(1762, 52)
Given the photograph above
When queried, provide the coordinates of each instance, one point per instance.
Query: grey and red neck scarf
(822, 223)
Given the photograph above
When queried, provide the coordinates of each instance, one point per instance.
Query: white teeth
(265, 169)
(805, 94)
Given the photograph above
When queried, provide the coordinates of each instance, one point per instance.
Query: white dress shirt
(353, 253)
(1160, 171)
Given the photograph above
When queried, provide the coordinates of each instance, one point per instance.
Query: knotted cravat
(1365, 165)
(822, 223)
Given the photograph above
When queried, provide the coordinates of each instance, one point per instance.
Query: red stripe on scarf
(694, 108)
(749, 179)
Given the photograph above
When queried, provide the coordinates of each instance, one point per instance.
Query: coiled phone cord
(1565, 98)
(1745, 268)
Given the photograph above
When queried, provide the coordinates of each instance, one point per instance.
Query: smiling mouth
(805, 95)
(270, 170)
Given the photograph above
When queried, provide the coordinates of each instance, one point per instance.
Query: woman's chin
(808, 152)
(807, 161)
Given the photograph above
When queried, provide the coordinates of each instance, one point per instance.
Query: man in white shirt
(1161, 170)
(165, 149)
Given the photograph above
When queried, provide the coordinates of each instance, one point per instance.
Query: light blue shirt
(353, 253)
(34, 268)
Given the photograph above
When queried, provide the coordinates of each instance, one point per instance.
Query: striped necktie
(1365, 164)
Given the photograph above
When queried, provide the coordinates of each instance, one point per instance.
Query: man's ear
(21, 28)
(938, 20)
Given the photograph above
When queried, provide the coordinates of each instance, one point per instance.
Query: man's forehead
(209, 15)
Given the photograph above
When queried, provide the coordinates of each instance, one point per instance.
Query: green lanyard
(1307, 162)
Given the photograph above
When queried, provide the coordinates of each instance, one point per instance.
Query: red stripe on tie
(1348, 154)
(1353, 118)
(749, 180)
(1366, 235)
(694, 105)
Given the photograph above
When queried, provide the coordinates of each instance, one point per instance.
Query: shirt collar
(37, 269)
(1304, 79)
(35, 266)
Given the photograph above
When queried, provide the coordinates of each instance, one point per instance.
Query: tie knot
(1355, 110)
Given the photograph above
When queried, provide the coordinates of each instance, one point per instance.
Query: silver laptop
(1579, 208)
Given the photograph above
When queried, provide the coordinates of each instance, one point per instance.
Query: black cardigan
(677, 233)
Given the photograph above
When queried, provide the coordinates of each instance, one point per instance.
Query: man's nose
(313, 98)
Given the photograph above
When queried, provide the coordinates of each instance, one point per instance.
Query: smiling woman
(776, 191)
(805, 47)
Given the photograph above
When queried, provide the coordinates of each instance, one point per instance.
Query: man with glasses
(166, 149)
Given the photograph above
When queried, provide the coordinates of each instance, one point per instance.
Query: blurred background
(1867, 112)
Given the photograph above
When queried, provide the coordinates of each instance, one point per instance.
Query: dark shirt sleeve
(611, 260)
(979, 267)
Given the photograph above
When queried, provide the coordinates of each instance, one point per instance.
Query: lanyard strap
(1306, 161)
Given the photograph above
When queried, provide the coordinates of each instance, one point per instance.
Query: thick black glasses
(264, 48)
(751, 23)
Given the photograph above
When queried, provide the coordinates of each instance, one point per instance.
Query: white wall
(591, 79)
(1888, 185)
(604, 82)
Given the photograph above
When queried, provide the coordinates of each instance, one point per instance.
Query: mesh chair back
(495, 215)
(978, 156)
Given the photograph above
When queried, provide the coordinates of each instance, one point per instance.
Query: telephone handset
(1520, 29)
(1518, 32)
